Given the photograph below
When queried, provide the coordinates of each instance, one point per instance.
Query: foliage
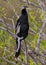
(7, 42)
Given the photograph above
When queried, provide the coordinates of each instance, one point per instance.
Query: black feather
(24, 27)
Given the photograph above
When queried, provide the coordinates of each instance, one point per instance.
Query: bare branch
(11, 62)
(36, 57)
(14, 35)
(12, 8)
(31, 3)
(6, 50)
(40, 35)
(7, 24)
(12, 22)
(31, 30)
(26, 53)
(8, 31)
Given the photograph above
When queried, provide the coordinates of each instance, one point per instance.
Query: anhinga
(22, 27)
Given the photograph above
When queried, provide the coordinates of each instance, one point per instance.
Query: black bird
(22, 27)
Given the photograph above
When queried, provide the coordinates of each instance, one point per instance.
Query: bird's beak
(27, 8)
(24, 7)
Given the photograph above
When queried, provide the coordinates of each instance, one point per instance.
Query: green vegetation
(6, 40)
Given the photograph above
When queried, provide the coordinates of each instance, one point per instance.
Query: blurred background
(33, 50)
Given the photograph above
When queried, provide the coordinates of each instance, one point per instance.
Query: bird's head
(24, 10)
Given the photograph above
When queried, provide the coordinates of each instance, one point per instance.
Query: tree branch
(11, 62)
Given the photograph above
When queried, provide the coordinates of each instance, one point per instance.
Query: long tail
(18, 43)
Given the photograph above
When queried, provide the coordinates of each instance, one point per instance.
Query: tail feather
(18, 43)
(17, 53)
